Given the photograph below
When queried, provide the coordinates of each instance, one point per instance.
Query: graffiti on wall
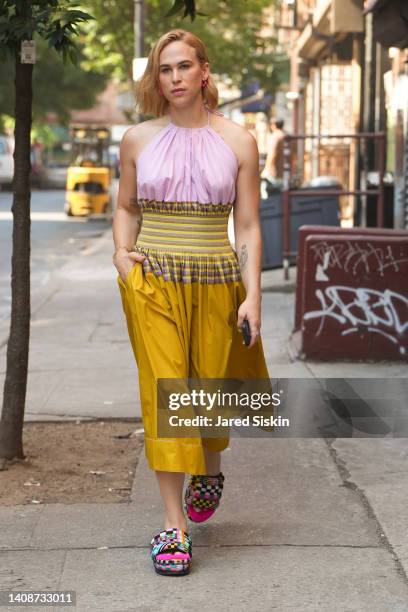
(361, 309)
(352, 290)
(355, 258)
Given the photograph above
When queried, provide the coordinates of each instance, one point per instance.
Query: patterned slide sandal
(171, 552)
(202, 496)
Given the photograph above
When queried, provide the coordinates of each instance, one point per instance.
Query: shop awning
(261, 104)
(390, 21)
(252, 100)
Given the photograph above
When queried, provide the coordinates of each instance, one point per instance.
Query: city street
(54, 238)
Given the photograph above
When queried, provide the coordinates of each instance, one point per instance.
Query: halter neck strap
(208, 124)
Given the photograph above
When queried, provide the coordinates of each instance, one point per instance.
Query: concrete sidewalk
(305, 524)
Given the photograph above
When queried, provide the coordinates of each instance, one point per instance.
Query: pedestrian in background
(273, 170)
(185, 291)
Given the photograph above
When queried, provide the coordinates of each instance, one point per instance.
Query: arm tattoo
(243, 258)
(134, 202)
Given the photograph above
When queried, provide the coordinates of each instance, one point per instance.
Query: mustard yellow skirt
(184, 330)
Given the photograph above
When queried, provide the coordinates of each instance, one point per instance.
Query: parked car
(54, 176)
(6, 160)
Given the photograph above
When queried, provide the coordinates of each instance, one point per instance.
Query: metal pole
(381, 172)
(138, 28)
(286, 207)
(369, 104)
(405, 158)
(363, 183)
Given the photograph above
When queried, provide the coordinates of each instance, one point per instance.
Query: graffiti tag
(354, 257)
(363, 309)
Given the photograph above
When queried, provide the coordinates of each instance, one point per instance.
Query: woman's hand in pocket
(124, 261)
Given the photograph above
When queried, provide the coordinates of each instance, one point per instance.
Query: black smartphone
(246, 332)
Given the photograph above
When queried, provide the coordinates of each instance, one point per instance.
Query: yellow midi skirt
(181, 307)
(184, 330)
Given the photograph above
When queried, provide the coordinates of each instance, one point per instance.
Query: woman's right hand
(124, 261)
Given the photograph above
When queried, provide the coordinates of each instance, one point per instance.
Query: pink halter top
(186, 189)
(182, 164)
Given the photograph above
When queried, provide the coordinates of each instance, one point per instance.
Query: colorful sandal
(202, 496)
(171, 552)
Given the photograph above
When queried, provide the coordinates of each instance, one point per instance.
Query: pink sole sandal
(202, 496)
(171, 552)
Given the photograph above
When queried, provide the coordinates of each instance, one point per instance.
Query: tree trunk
(12, 417)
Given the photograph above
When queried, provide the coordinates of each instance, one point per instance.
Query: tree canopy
(58, 88)
(230, 30)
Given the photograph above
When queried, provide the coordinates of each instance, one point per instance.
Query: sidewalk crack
(348, 483)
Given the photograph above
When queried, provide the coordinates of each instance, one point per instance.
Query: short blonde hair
(148, 99)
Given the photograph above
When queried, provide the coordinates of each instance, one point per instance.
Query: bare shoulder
(136, 137)
(239, 138)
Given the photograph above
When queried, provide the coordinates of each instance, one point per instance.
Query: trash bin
(321, 210)
(373, 181)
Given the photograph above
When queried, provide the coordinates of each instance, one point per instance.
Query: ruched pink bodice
(187, 165)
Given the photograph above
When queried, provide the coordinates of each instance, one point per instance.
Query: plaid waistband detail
(190, 268)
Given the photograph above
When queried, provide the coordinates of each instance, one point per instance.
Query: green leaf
(176, 8)
(190, 9)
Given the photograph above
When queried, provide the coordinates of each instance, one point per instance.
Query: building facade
(344, 81)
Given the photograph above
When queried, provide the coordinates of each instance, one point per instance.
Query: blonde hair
(148, 99)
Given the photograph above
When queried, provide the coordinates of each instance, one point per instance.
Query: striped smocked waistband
(179, 232)
(187, 241)
(173, 226)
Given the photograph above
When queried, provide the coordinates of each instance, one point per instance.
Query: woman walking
(185, 291)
